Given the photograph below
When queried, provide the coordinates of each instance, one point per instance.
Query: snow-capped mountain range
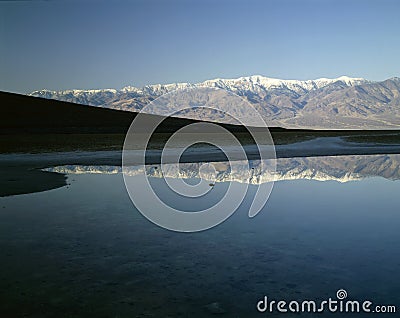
(339, 103)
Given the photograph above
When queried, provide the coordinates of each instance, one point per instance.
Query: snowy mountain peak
(259, 82)
(241, 83)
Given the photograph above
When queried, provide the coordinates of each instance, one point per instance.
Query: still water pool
(84, 250)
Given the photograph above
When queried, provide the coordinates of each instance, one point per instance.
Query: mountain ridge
(338, 103)
(260, 79)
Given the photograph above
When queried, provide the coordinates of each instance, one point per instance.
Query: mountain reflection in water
(337, 168)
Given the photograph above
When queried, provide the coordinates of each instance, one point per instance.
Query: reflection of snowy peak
(337, 168)
(342, 102)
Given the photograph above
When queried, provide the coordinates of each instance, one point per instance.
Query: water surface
(84, 250)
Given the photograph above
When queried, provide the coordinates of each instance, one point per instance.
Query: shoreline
(21, 172)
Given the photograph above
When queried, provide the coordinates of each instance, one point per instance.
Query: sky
(97, 44)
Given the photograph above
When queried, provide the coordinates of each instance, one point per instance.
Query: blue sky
(97, 44)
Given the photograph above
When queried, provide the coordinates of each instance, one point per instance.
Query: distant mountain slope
(340, 103)
(27, 114)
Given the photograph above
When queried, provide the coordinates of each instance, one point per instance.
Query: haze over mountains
(339, 103)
